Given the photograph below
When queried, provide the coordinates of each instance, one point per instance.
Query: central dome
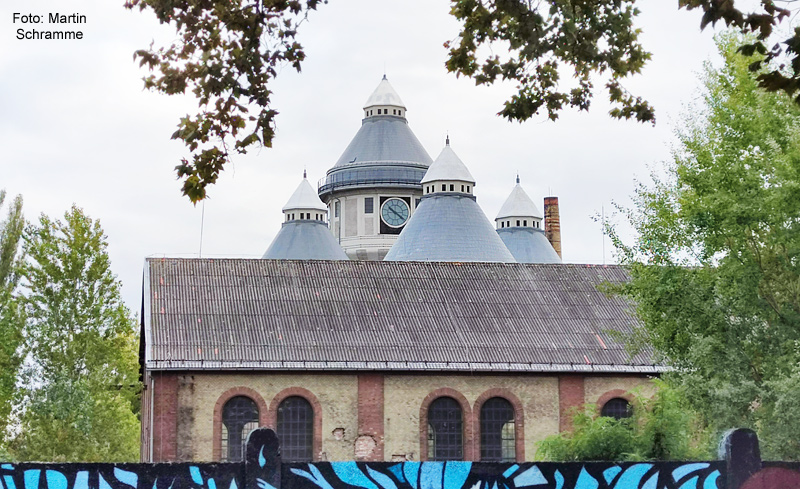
(384, 152)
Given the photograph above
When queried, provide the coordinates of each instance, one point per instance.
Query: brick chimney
(552, 223)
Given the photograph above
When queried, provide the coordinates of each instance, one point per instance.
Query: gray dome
(384, 152)
(528, 245)
(305, 240)
(449, 227)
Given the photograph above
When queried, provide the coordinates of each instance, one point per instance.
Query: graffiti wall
(262, 469)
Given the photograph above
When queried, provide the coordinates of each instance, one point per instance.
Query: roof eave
(183, 365)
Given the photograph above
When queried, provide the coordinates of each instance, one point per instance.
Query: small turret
(519, 225)
(304, 235)
(448, 174)
(384, 101)
(304, 204)
(519, 211)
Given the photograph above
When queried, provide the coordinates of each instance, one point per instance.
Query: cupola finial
(517, 178)
(447, 140)
(306, 176)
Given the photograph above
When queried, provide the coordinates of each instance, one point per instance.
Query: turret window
(462, 188)
(517, 222)
(525, 223)
(467, 188)
(368, 205)
(444, 187)
(336, 207)
(452, 187)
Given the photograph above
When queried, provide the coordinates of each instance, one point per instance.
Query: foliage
(228, 52)
(661, 428)
(716, 266)
(81, 381)
(11, 314)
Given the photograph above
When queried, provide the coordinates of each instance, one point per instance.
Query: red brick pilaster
(272, 416)
(466, 413)
(165, 417)
(570, 397)
(370, 412)
(519, 419)
(225, 397)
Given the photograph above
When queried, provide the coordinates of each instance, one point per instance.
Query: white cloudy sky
(76, 126)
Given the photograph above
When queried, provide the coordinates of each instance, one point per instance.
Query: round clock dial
(394, 212)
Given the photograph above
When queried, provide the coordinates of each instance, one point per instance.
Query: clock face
(394, 212)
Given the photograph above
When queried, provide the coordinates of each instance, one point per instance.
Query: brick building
(468, 341)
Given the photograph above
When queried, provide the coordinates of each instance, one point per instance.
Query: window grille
(445, 430)
(617, 408)
(295, 429)
(239, 418)
(498, 438)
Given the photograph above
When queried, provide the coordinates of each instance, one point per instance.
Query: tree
(661, 428)
(228, 52)
(715, 269)
(11, 314)
(80, 387)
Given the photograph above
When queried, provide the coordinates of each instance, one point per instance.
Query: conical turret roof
(305, 197)
(449, 227)
(528, 245)
(518, 204)
(305, 240)
(384, 94)
(448, 166)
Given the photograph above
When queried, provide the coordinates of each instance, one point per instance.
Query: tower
(304, 234)
(374, 187)
(449, 225)
(519, 224)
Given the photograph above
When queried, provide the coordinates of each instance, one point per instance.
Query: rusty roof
(223, 314)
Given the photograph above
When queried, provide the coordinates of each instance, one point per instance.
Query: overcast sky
(76, 126)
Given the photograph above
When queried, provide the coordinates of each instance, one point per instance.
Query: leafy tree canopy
(80, 385)
(661, 428)
(716, 266)
(11, 313)
(228, 52)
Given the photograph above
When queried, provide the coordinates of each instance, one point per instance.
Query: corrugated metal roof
(305, 240)
(528, 245)
(449, 227)
(350, 315)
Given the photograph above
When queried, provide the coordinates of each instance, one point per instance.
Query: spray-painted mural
(262, 469)
(468, 475)
(121, 476)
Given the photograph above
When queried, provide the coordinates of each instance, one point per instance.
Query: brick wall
(165, 417)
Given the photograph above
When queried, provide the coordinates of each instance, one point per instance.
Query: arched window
(239, 418)
(445, 430)
(295, 429)
(498, 437)
(617, 408)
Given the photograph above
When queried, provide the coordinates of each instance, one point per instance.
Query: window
(292, 216)
(452, 187)
(462, 188)
(336, 207)
(444, 187)
(445, 430)
(295, 429)
(617, 408)
(525, 223)
(467, 188)
(498, 439)
(517, 222)
(239, 418)
(368, 205)
(287, 217)
(416, 203)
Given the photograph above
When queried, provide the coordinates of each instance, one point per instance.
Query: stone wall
(371, 416)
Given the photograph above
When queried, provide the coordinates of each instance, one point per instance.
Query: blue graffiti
(466, 475)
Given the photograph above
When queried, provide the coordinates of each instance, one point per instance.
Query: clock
(394, 212)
